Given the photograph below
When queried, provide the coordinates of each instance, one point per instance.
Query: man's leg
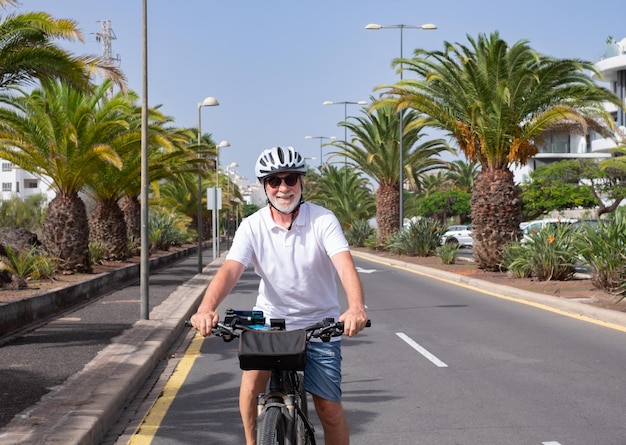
(333, 421)
(322, 378)
(252, 383)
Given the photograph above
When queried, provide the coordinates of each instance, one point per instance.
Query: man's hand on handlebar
(354, 321)
(204, 322)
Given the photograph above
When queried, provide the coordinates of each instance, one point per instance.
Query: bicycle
(282, 411)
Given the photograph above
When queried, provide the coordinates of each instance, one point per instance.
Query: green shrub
(167, 229)
(26, 213)
(46, 267)
(548, 254)
(421, 238)
(602, 249)
(359, 232)
(21, 264)
(447, 253)
(97, 251)
(372, 241)
(516, 260)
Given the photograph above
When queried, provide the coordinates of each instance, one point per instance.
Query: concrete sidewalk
(85, 406)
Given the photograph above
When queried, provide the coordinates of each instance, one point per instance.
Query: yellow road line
(542, 306)
(148, 428)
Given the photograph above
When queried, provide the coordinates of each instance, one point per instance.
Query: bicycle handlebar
(323, 330)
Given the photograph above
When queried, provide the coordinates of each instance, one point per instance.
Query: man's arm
(219, 287)
(354, 317)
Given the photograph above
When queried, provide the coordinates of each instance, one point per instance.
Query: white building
(573, 146)
(20, 183)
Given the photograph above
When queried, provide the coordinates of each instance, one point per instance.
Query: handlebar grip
(368, 324)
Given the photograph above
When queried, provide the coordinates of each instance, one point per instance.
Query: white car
(459, 234)
(535, 226)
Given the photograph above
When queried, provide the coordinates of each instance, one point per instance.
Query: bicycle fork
(286, 403)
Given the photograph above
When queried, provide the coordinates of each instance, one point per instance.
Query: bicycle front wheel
(271, 427)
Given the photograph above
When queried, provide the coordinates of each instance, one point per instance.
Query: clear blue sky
(271, 64)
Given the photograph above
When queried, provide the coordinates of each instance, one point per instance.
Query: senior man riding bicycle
(296, 248)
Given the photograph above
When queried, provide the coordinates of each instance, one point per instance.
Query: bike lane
(199, 401)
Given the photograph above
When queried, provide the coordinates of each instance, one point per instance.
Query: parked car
(458, 234)
(535, 226)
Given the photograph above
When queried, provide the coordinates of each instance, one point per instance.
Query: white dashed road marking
(421, 350)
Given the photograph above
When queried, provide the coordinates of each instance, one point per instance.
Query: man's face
(284, 191)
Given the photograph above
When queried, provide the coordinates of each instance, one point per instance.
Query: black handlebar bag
(268, 350)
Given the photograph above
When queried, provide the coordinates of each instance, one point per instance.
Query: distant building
(562, 146)
(20, 183)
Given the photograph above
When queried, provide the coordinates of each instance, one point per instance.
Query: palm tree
(374, 148)
(497, 101)
(168, 154)
(57, 132)
(463, 174)
(347, 194)
(28, 54)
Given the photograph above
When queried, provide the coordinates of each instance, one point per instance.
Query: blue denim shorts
(322, 374)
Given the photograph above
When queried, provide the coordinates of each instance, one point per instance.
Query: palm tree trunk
(132, 215)
(107, 226)
(387, 213)
(66, 233)
(496, 215)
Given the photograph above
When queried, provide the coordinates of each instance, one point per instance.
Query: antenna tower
(104, 37)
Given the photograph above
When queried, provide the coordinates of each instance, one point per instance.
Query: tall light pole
(345, 104)
(208, 102)
(144, 264)
(216, 218)
(426, 27)
(321, 138)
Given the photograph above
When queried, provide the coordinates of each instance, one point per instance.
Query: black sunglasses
(275, 181)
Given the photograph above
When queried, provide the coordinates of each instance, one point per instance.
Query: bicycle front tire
(271, 427)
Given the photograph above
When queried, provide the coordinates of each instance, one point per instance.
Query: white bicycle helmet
(279, 160)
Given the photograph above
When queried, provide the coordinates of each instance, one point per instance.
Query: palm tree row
(498, 102)
(70, 131)
(88, 143)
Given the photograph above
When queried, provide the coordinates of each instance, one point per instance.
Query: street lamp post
(144, 265)
(208, 102)
(321, 138)
(345, 104)
(216, 219)
(426, 27)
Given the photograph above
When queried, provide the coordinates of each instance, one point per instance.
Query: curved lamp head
(223, 144)
(209, 102)
(426, 26)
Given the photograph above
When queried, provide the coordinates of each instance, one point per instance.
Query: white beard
(285, 203)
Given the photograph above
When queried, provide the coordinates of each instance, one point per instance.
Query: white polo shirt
(297, 275)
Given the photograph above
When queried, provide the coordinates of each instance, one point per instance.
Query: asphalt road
(442, 364)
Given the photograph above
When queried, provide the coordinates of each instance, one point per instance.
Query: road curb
(569, 307)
